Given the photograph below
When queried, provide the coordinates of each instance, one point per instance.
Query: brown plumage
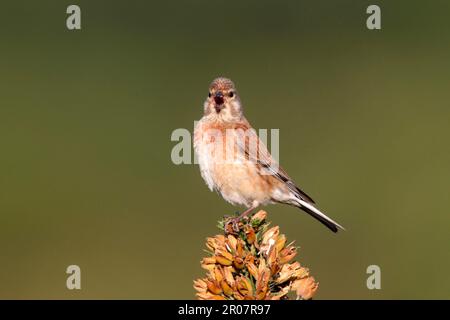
(234, 162)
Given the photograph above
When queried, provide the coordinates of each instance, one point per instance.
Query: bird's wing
(254, 149)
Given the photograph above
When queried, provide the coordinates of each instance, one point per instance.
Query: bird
(234, 161)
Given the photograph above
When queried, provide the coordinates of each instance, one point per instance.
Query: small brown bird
(234, 162)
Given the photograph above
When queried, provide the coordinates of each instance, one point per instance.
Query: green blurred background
(86, 117)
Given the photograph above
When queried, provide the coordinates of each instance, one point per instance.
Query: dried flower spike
(253, 263)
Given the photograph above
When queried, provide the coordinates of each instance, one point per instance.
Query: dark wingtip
(305, 196)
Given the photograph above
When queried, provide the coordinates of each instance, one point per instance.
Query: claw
(232, 225)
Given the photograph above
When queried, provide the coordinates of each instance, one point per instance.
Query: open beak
(218, 99)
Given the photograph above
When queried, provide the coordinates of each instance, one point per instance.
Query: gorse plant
(252, 262)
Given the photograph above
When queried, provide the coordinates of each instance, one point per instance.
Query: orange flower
(238, 262)
(244, 286)
(209, 296)
(306, 288)
(216, 242)
(214, 287)
(281, 241)
(280, 294)
(262, 283)
(223, 257)
(259, 217)
(226, 288)
(252, 269)
(272, 257)
(232, 242)
(208, 263)
(250, 233)
(240, 251)
(272, 233)
(287, 254)
(287, 272)
(200, 285)
(228, 275)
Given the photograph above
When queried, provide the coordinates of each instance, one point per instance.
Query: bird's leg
(245, 213)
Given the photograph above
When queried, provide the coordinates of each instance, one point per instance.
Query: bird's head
(223, 102)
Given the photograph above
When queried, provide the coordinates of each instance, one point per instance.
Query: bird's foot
(233, 224)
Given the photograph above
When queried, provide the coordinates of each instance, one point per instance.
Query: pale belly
(238, 181)
(241, 184)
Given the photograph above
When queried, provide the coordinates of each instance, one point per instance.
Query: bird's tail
(316, 213)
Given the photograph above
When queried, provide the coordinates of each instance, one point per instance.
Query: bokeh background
(86, 117)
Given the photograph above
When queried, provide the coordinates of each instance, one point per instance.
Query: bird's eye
(209, 94)
(231, 94)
